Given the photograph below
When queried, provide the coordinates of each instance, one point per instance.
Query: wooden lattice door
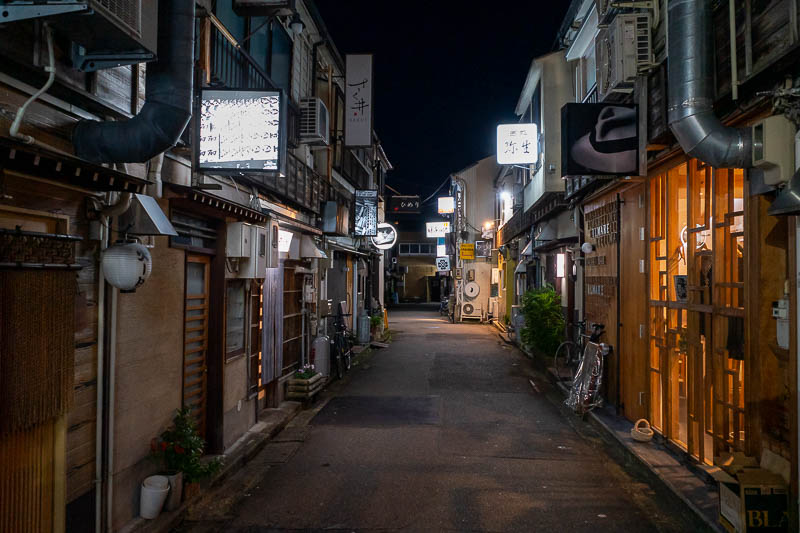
(195, 339)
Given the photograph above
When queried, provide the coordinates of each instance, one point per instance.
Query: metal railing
(230, 64)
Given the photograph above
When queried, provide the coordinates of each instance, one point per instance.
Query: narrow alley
(441, 431)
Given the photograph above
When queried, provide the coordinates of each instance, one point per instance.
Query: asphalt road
(442, 431)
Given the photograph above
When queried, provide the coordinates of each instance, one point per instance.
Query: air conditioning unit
(314, 122)
(623, 50)
(108, 33)
(471, 311)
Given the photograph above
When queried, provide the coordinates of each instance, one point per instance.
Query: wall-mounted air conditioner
(314, 122)
(107, 33)
(623, 50)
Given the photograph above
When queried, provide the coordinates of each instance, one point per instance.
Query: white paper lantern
(127, 265)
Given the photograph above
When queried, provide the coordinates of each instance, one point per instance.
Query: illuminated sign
(467, 251)
(358, 100)
(442, 264)
(437, 229)
(240, 130)
(447, 204)
(517, 144)
(366, 213)
(386, 237)
(404, 204)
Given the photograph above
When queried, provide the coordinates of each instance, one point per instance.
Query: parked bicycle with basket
(584, 394)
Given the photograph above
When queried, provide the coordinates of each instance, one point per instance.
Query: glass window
(413, 248)
(403, 249)
(281, 56)
(234, 318)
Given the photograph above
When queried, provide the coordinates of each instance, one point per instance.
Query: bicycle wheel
(337, 364)
(565, 361)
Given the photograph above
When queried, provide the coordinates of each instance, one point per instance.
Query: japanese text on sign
(358, 101)
(517, 144)
(240, 129)
(467, 251)
(437, 229)
(404, 204)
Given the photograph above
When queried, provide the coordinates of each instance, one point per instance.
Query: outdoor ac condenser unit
(109, 32)
(471, 311)
(623, 50)
(314, 121)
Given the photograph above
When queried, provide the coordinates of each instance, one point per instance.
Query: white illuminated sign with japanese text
(517, 144)
(437, 229)
(447, 204)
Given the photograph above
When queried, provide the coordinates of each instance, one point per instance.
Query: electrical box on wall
(237, 244)
(772, 151)
(255, 266)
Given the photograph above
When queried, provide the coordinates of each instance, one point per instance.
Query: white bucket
(152, 496)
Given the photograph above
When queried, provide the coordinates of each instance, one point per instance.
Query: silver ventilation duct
(168, 98)
(691, 90)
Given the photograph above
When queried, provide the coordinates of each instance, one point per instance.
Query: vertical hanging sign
(358, 101)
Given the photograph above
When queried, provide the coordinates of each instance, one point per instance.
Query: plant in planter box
(180, 448)
(307, 372)
(544, 321)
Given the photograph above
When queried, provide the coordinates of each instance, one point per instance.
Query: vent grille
(127, 12)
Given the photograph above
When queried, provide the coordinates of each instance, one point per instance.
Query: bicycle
(568, 354)
(341, 347)
(585, 390)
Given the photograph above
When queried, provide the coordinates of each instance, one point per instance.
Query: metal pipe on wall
(691, 89)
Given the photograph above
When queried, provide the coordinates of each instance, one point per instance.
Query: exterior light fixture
(587, 247)
(488, 224)
(127, 265)
(560, 265)
(296, 24)
(505, 196)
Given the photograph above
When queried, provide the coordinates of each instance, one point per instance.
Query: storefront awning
(555, 243)
(522, 268)
(528, 250)
(222, 205)
(309, 249)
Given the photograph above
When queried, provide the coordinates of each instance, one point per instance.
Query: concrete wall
(239, 412)
(149, 372)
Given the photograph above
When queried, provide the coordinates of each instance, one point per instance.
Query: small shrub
(180, 448)
(544, 321)
(375, 320)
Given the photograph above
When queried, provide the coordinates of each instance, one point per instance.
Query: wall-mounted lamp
(296, 24)
(505, 196)
(587, 247)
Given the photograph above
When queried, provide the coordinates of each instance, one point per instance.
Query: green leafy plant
(375, 321)
(544, 321)
(180, 449)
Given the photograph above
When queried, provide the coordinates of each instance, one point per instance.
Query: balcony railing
(227, 63)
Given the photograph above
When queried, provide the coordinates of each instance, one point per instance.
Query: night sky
(445, 75)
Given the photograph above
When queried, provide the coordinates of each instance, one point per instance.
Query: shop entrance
(697, 311)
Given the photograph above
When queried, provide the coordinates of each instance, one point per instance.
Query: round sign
(386, 237)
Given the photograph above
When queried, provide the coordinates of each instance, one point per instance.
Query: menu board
(240, 130)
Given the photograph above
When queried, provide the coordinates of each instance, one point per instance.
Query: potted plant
(376, 325)
(180, 450)
(544, 321)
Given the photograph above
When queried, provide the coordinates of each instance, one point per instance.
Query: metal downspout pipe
(691, 89)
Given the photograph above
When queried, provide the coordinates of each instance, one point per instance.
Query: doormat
(380, 411)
